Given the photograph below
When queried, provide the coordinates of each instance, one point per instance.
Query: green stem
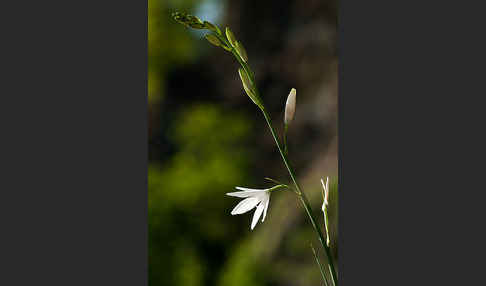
(303, 198)
(301, 195)
(286, 151)
(326, 223)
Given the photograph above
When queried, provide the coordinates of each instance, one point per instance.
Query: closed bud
(290, 106)
(180, 17)
(212, 27)
(213, 39)
(241, 51)
(230, 37)
(188, 20)
(197, 25)
(248, 88)
(246, 82)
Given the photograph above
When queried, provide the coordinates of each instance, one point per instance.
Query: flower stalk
(303, 199)
(230, 43)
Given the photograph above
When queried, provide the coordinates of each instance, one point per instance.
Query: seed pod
(290, 106)
(241, 51)
(230, 37)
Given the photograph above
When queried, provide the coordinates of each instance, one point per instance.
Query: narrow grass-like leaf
(323, 275)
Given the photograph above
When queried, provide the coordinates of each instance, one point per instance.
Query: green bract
(230, 37)
(249, 88)
(241, 51)
(212, 27)
(213, 39)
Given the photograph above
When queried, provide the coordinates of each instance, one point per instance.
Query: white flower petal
(326, 191)
(257, 215)
(251, 190)
(266, 201)
(247, 189)
(245, 205)
(246, 192)
(243, 194)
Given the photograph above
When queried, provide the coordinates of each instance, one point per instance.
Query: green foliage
(189, 268)
(242, 268)
(187, 209)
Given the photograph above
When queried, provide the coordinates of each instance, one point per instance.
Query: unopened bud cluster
(189, 20)
(228, 43)
(238, 46)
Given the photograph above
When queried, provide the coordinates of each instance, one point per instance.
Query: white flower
(258, 198)
(326, 192)
(290, 107)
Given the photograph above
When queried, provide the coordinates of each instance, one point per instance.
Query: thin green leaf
(323, 275)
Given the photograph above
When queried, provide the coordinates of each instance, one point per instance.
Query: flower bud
(188, 20)
(290, 107)
(241, 51)
(325, 188)
(230, 37)
(213, 39)
(212, 27)
(248, 88)
(196, 25)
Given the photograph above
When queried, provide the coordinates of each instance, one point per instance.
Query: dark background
(206, 137)
(74, 143)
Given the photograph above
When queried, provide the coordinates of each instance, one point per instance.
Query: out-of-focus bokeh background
(206, 137)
